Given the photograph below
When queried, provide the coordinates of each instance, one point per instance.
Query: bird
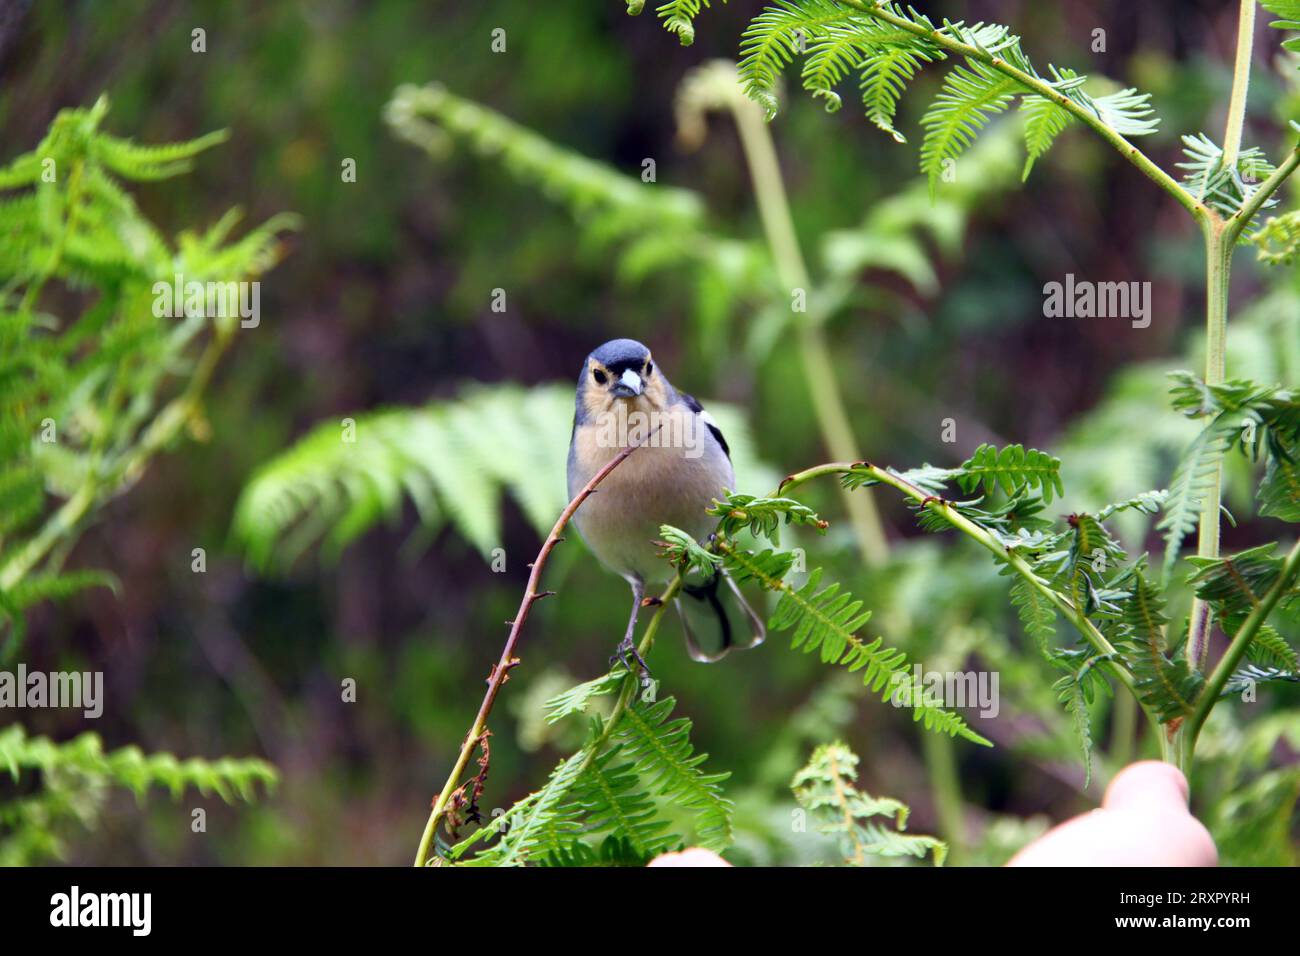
(684, 464)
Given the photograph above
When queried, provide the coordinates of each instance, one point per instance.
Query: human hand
(1143, 820)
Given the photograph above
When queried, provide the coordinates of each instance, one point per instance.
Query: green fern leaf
(666, 761)
(1070, 690)
(576, 700)
(826, 620)
(1037, 614)
(970, 95)
(1192, 480)
(678, 17)
(827, 789)
(1012, 469)
(1044, 121)
(776, 36)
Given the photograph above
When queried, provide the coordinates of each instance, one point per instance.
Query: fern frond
(1013, 469)
(1235, 584)
(156, 161)
(1289, 11)
(678, 16)
(1073, 691)
(451, 459)
(660, 748)
(826, 788)
(970, 95)
(1270, 649)
(1037, 615)
(610, 797)
(1210, 180)
(1279, 492)
(1148, 503)
(685, 553)
(1044, 121)
(1126, 111)
(763, 516)
(827, 620)
(576, 700)
(592, 190)
(1192, 480)
(885, 73)
(1278, 239)
(1248, 676)
(131, 768)
(773, 39)
(543, 823)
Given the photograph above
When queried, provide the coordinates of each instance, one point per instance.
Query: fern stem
(1218, 262)
(1234, 224)
(1240, 83)
(1232, 657)
(1125, 148)
(972, 530)
(507, 661)
(815, 353)
(1123, 729)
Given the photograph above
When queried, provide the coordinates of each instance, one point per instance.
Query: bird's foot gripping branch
(636, 787)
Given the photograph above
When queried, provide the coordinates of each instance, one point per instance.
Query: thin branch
(501, 670)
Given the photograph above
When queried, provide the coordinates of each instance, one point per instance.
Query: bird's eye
(599, 376)
(649, 367)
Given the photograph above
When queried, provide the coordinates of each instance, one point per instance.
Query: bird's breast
(671, 479)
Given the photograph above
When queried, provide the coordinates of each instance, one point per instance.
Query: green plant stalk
(1232, 657)
(1123, 728)
(945, 787)
(815, 354)
(1240, 83)
(1218, 262)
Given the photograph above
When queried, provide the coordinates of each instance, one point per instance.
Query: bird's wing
(694, 405)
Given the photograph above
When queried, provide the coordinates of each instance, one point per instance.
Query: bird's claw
(621, 654)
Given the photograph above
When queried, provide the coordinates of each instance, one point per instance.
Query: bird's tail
(727, 628)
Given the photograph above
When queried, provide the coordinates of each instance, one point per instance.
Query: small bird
(684, 464)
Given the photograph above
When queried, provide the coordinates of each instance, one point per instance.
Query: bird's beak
(628, 385)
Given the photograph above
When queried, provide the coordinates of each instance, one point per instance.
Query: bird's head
(621, 371)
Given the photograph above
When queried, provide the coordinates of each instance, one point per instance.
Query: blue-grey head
(621, 370)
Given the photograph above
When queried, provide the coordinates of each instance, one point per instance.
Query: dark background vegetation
(384, 300)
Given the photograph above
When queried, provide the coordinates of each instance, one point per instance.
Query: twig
(501, 670)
